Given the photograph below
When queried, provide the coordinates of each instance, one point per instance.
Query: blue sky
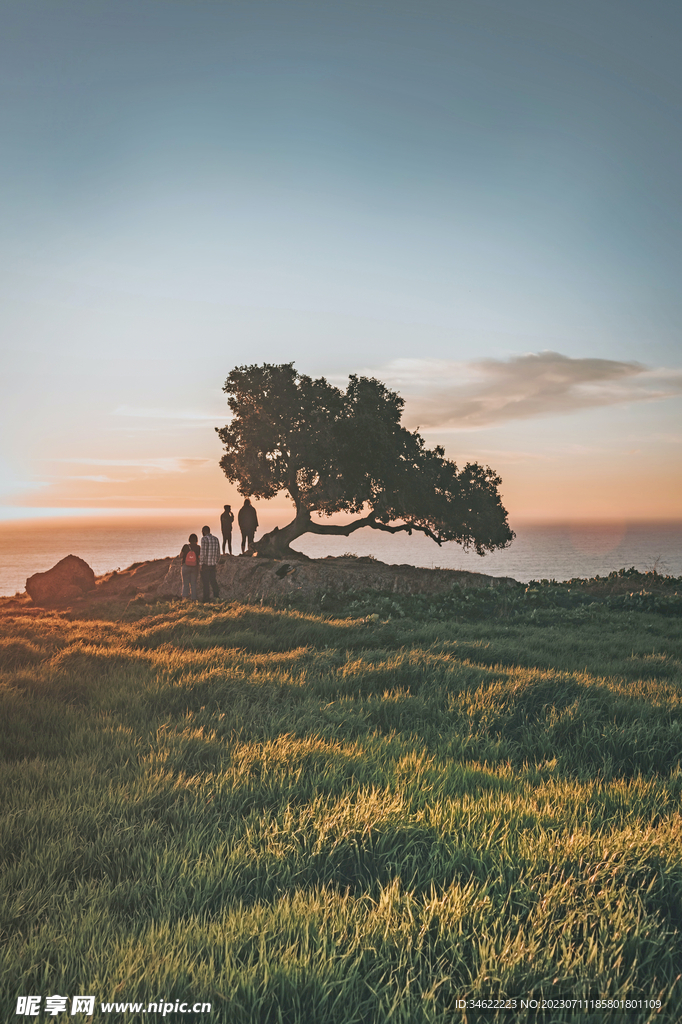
(438, 194)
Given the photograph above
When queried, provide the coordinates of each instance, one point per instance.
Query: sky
(477, 202)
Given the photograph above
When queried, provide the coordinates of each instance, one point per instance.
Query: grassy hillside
(357, 814)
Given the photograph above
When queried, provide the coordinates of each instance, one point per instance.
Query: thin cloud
(442, 394)
(165, 414)
(98, 479)
(158, 465)
(668, 438)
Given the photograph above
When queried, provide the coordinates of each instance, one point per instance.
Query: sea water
(541, 550)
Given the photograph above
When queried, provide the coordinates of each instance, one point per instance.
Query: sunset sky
(478, 202)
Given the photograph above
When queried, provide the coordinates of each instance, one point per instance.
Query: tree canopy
(346, 451)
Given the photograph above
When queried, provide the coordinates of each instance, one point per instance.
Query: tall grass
(300, 816)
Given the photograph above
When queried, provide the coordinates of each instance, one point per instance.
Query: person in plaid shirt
(210, 553)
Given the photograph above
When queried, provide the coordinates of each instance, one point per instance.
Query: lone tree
(335, 451)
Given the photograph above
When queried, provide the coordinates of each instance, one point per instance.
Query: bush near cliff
(541, 601)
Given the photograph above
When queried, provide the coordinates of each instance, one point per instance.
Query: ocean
(541, 550)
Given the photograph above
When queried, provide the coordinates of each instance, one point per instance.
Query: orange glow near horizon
(584, 467)
(576, 489)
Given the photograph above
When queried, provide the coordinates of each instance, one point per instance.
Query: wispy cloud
(168, 414)
(97, 479)
(669, 438)
(146, 466)
(442, 394)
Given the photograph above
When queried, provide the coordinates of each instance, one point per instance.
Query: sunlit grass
(305, 817)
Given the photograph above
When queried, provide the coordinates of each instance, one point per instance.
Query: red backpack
(191, 557)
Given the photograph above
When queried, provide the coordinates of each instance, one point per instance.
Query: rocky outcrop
(72, 581)
(66, 582)
(250, 579)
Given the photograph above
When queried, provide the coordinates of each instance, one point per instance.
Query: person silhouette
(210, 552)
(189, 567)
(248, 524)
(226, 520)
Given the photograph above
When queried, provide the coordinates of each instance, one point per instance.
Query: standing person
(210, 553)
(248, 524)
(189, 567)
(226, 520)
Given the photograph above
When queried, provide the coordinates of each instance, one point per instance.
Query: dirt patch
(138, 578)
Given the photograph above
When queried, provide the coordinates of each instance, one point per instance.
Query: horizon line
(20, 514)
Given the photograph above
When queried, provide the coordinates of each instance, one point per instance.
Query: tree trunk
(276, 543)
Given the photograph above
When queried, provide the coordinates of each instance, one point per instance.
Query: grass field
(344, 815)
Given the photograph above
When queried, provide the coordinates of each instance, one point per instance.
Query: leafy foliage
(542, 603)
(334, 451)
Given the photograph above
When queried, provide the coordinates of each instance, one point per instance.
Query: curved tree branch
(332, 529)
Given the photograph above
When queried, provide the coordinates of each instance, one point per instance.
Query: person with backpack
(189, 568)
